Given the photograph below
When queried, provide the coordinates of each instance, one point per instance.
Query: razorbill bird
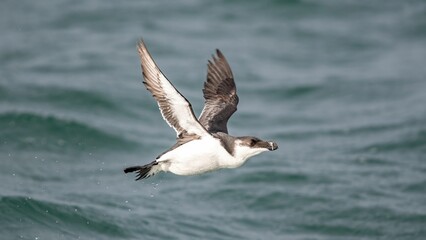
(202, 145)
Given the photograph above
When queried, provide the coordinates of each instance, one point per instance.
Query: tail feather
(144, 171)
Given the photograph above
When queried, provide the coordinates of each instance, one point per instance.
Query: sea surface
(340, 85)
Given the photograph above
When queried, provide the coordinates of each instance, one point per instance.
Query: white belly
(196, 157)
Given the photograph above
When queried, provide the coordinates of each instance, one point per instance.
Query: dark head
(247, 146)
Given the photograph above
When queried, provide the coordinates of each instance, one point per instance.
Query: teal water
(340, 85)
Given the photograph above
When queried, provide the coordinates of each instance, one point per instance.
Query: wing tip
(140, 46)
(141, 42)
(219, 53)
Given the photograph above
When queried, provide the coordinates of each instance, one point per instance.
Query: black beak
(272, 146)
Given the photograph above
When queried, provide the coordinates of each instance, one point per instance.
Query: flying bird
(203, 144)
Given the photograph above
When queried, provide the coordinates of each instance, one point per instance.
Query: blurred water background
(340, 85)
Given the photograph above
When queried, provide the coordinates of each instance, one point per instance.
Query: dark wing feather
(174, 107)
(220, 95)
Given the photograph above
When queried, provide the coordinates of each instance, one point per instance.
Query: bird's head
(250, 146)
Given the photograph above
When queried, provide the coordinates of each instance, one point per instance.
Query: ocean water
(339, 85)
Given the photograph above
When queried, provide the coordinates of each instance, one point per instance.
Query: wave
(286, 92)
(270, 177)
(362, 222)
(29, 131)
(341, 131)
(40, 216)
(416, 141)
(73, 97)
(65, 98)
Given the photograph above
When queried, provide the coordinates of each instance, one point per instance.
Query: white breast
(195, 157)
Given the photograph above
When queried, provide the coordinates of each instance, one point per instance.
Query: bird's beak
(272, 146)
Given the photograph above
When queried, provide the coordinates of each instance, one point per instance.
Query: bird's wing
(220, 95)
(174, 107)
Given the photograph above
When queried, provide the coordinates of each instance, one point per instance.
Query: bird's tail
(144, 171)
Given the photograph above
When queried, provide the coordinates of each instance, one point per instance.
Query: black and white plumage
(202, 144)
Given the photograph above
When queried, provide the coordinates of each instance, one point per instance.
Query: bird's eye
(252, 142)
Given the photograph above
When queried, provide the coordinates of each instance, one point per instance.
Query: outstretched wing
(220, 95)
(174, 107)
